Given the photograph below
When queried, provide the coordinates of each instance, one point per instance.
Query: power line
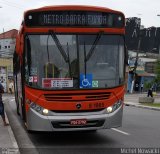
(12, 4)
(42, 0)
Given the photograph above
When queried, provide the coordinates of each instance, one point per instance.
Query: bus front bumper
(61, 122)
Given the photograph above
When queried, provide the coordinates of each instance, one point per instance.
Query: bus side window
(51, 71)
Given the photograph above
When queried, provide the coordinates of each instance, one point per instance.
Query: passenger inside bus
(51, 71)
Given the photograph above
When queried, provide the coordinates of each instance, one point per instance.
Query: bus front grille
(77, 96)
(78, 111)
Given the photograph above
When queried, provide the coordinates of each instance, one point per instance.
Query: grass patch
(152, 105)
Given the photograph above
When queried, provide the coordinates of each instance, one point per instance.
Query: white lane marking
(117, 130)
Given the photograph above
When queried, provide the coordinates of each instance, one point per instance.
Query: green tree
(157, 71)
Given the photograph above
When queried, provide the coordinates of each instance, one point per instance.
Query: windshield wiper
(48, 49)
(91, 51)
(85, 61)
(59, 46)
(69, 63)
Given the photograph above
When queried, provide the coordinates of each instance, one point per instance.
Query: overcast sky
(11, 11)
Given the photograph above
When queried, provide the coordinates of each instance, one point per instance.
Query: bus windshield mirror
(91, 51)
(59, 46)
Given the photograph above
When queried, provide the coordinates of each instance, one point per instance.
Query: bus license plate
(78, 122)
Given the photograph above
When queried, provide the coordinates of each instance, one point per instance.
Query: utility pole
(136, 63)
(158, 15)
(3, 40)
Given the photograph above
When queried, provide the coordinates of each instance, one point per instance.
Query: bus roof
(73, 7)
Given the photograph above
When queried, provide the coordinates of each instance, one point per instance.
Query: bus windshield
(74, 61)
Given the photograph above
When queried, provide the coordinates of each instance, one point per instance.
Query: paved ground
(7, 138)
(133, 100)
(8, 143)
(140, 128)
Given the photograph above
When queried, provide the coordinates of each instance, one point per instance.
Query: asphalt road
(141, 128)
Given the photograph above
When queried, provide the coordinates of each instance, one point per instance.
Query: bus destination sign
(74, 19)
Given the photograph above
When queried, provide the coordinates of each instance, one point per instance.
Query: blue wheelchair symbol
(86, 81)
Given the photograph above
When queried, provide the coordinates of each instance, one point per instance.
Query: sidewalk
(133, 100)
(8, 142)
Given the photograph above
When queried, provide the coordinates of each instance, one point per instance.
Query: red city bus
(69, 68)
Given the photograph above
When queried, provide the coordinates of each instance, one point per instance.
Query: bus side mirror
(51, 71)
(19, 44)
(126, 55)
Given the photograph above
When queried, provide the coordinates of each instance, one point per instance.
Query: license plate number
(78, 122)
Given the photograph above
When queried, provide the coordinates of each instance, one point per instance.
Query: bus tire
(90, 131)
(33, 132)
(23, 112)
(30, 131)
(17, 104)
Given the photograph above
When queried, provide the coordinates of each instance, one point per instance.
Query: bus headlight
(109, 109)
(114, 107)
(39, 109)
(45, 111)
(33, 105)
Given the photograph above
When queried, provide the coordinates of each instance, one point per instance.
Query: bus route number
(96, 105)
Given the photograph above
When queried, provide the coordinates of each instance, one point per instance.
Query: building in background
(150, 37)
(143, 45)
(144, 73)
(7, 47)
(133, 26)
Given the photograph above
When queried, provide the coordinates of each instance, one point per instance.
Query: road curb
(19, 132)
(15, 148)
(142, 106)
(12, 137)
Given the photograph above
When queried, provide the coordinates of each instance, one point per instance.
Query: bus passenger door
(19, 88)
